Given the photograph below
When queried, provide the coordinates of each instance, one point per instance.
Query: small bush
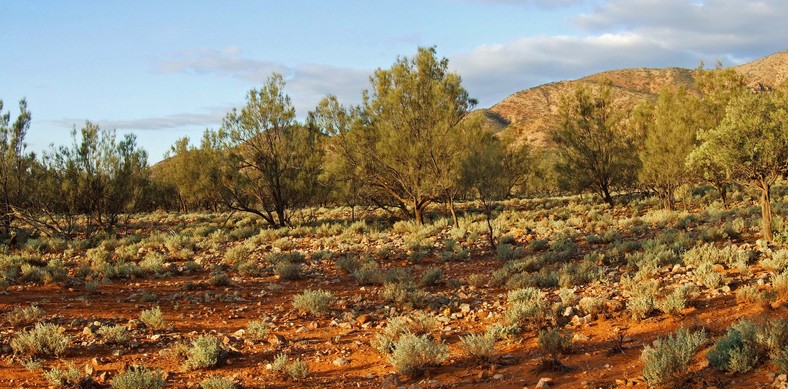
(348, 264)
(368, 274)
(315, 302)
(217, 383)
(288, 270)
(44, 340)
(206, 352)
(737, 351)
(280, 363)
(674, 302)
(152, 318)
(405, 293)
(69, 377)
(552, 342)
(24, 315)
(507, 252)
(707, 276)
(220, 279)
(114, 334)
(139, 377)
(413, 353)
(297, 369)
(431, 276)
(526, 307)
(668, 359)
(480, 346)
(257, 330)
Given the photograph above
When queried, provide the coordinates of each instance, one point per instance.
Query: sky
(168, 69)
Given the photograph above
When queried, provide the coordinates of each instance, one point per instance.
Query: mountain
(528, 115)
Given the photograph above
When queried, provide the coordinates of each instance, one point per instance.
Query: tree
(751, 143)
(670, 137)
(98, 177)
(491, 169)
(193, 173)
(16, 185)
(718, 87)
(272, 162)
(413, 116)
(594, 147)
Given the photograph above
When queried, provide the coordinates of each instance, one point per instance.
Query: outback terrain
(612, 280)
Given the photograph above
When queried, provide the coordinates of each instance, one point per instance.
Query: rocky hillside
(530, 113)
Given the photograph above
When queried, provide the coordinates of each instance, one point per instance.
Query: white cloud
(211, 117)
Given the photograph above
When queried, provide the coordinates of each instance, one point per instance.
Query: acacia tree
(751, 143)
(413, 115)
(272, 163)
(491, 168)
(16, 165)
(591, 140)
(193, 173)
(670, 137)
(98, 176)
(718, 87)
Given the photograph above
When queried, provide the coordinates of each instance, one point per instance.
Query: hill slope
(531, 113)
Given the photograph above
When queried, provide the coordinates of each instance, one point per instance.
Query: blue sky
(167, 69)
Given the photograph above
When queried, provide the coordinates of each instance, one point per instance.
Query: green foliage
(205, 352)
(114, 334)
(738, 350)
(553, 342)
(667, 360)
(525, 307)
(217, 382)
(413, 353)
(139, 377)
(315, 302)
(153, 319)
(270, 164)
(69, 377)
(595, 149)
(257, 330)
(43, 340)
(24, 315)
(480, 346)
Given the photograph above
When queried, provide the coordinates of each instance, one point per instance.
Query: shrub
(480, 346)
(24, 315)
(431, 276)
(287, 270)
(280, 362)
(553, 343)
(217, 383)
(69, 377)
(737, 351)
(368, 274)
(206, 352)
(43, 340)
(139, 377)
(348, 264)
(220, 279)
(706, 275)
(315, 302)
(412, 353)
(507, 252)
(297, 369)
(405, 293)
(525, 307)
(236, 255)
(674, 302)
(114, 334)
(152, 318)
(669, 357)
(257, 330)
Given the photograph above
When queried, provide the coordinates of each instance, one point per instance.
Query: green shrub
(297, 369)
(69, 377)
(368, 274)
(153, 319)
(668, 359)
(280, 363)
(236, 255)
(674, 302)
(139, 377)
(205, 352)
(348, 264)
(507, 252)
(288, 270)
(706, 275)
(552, 342)
(526, 307)
(257, 330)
(431, 276)
(405, 293)
(114, 334)
(315, 302)
(217, 383)
(412, 353)
(219, 279)
(44, 340)
(24, 315)
(480, 346)
(737, 351)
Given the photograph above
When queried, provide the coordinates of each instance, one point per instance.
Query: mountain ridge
(528, 115)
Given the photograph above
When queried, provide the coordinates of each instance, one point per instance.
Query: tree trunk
(419, 214)
(453, 211)
(766, 211)
(490, 232)
(606, 195)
